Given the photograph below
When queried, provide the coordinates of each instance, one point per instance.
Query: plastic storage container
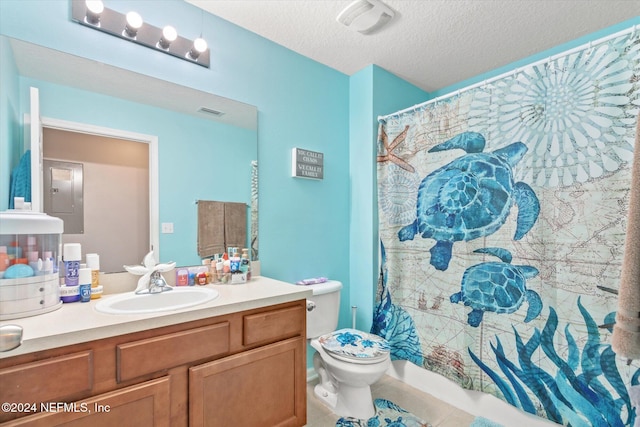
(33, 288)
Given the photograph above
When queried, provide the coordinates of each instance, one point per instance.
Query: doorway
(115, 194)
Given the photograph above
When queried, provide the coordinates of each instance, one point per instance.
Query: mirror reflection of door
(115, 194)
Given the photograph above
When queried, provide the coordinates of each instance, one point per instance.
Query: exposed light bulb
(169, 35)
(94, 9)
(199, 47)
(134, 22)
(200, 44)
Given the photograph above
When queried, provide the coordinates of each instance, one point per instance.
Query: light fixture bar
(115, 23)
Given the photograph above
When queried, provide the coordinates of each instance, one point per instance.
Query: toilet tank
(324, 317)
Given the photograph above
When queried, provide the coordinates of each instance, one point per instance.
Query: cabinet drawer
(49, 379)
(146, 404)
(274, 325)
(147, 356)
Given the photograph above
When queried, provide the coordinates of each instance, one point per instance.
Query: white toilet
(347, 361)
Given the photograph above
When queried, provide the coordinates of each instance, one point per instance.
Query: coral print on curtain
(502, 217)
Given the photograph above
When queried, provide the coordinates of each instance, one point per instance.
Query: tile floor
(423, 405)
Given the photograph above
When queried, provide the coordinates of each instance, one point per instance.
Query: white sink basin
(175, 299)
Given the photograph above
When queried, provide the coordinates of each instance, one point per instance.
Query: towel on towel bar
(21, 180)
(210, 228)
(220, 225)
(235, 224)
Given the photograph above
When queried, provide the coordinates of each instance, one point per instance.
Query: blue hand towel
(21, 180)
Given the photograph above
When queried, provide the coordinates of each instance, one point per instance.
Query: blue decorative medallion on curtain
(502, 213)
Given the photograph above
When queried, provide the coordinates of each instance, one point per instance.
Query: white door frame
(152, 140)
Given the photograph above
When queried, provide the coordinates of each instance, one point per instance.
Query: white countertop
(80, 322)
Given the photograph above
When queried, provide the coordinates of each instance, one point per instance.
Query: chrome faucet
(157, 283)
(151, 281)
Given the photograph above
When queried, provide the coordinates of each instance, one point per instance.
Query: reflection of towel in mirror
(21, 180)
(210, 228)
(235, 225)
(220, 225)
(626, 332)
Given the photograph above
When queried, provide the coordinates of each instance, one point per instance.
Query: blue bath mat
(484, 422)
(388, 414)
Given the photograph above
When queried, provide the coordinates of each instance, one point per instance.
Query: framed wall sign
(307, 164)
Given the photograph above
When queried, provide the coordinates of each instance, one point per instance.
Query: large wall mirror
(147, 151)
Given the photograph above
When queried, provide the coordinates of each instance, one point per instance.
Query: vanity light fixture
(131, 27)
(198, 48)
(134, 23)
(94, 10)
(169, 35)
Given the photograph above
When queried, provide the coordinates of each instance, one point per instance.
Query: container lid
(326, 287)
(84, 276)
(93, 261)
(354, 344)
(28, 222)
(72, 252)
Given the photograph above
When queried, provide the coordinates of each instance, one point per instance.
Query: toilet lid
(354, 345)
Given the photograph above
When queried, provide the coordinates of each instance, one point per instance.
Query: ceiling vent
(366, 16)
(211, 111)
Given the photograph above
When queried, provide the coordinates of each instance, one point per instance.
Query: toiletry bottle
(182, 277)
(4, 258)
(14, 251)
(234, 264)
(201, 276)
(32, 258)
(84, 284)
(93, 263)
(213, 276)
(245, 264)
(72, 254)
(31, 244)
(47, 266)
(219, 269)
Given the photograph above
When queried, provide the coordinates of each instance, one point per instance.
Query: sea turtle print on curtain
(471, 197)
(497, 286)
(502, 213)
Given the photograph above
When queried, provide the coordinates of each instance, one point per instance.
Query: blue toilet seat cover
(352, 343)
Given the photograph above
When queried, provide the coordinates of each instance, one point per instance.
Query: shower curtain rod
(517, 70)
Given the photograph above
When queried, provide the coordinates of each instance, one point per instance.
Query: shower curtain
(502, 214)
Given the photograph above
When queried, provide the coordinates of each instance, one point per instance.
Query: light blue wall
(372, 92)
(10, 122)
(303, 224)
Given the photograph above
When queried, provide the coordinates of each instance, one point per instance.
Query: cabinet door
(145, 404)
(263, 387)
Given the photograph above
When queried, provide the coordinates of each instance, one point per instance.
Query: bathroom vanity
(237, 360)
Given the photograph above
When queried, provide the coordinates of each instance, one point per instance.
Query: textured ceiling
(430, 43)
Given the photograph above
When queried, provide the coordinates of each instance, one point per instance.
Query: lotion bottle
(93, 263)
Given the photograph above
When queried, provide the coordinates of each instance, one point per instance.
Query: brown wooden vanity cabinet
(242, 369)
